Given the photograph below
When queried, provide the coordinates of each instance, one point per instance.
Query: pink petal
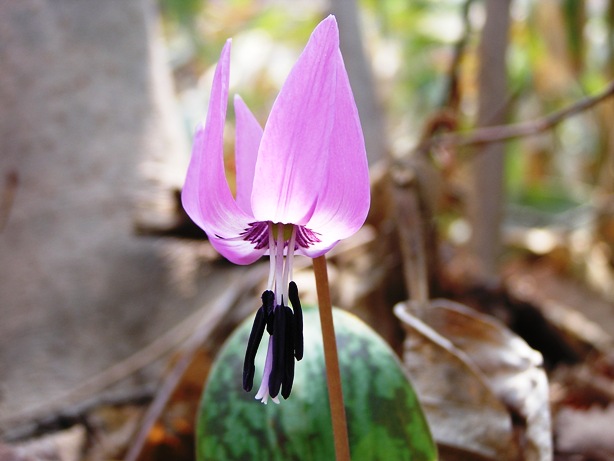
(343, 202)
(292, 160)
(317, 249)
(237, 251)
(206, 196)
(248, 136)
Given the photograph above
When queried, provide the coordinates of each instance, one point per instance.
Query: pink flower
(302, 185)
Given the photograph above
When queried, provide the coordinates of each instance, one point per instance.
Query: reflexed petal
(317, 249)
(344, 200)
(206, 196)
(292, 160)
(236, 251)
(248, 136)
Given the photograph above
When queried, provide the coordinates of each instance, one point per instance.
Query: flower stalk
(333, 374)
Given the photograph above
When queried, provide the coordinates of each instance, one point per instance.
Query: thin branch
(506, 132)
(209, 321)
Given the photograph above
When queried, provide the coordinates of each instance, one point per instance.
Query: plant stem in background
(361, 76)
(486, 189)
(333, 375)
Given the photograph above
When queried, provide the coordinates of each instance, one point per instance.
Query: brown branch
(506, 132)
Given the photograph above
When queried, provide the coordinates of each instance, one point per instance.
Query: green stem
(333, 375)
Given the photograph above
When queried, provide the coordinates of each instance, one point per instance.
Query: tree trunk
(88, 128)
(361, 78)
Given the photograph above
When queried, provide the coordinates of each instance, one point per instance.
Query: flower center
(284, 325)
(258, 234)
(286, 231)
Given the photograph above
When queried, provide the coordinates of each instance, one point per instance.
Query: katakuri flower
(302, 185)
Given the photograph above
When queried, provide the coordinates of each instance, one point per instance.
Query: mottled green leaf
(385, 420)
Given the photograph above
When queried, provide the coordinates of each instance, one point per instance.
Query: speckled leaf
(384, 417)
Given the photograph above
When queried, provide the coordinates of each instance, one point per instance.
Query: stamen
(298, 320)
(288, 370)
(255, 337)
(271, 257)
(284, 325)
(282, 373)
(279, 263)
(268, 303)
(279, 350)
(289, 260)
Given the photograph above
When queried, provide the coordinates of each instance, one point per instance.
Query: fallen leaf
(475, 379)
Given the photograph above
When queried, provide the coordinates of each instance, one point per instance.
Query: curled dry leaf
(475, 379)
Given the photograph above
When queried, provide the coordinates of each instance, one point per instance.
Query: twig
(506, 132)
(333, 375)
(76, 397)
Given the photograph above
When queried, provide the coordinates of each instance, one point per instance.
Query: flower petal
(206, 196)
(248, 136)
(292, 160)
(344, 201)
(317, 249)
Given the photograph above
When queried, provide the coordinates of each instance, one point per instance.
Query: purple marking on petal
(258, 234)
(305, 237)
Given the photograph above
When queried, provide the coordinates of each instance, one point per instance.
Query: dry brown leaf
(474, 377)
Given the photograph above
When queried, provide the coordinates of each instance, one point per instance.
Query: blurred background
(489, 130)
